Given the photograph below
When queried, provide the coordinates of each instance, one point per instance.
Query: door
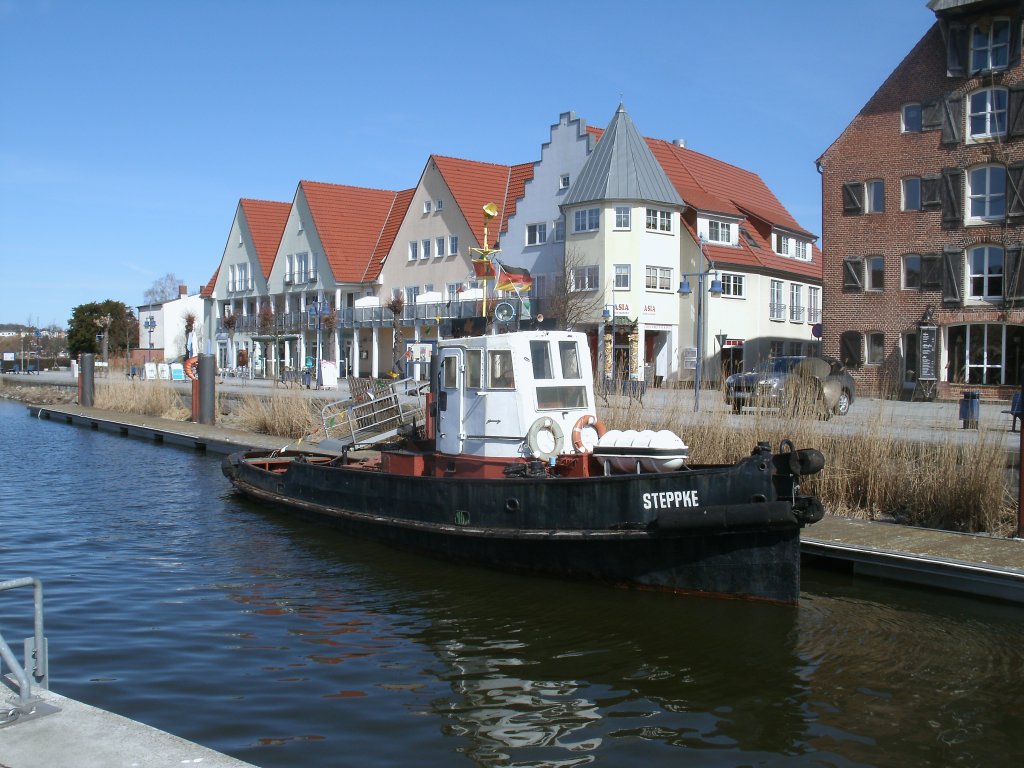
(451, 375)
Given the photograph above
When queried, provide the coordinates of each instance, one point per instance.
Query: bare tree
(570, 306)
(396, 304)
(163, 289)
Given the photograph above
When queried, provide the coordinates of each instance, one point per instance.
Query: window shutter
(1013, 285)
(952, 274)
(1015, 108)
(851, 345)
(956, 50)
(853, 274)
(1015, 191)
(952, 119)
(952, 197)
(931, 272)
(931, 192)
(1014, 41)
(931, 115)
(853, 198)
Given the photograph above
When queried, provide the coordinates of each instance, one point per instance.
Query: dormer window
(719, 232)
(990, 46)
(783, 244)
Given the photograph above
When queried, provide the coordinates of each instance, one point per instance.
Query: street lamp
(715, 289)
(149, 325)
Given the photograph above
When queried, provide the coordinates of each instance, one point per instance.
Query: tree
(396, 304)
(163, 289)
(573, 307)
(88, 320)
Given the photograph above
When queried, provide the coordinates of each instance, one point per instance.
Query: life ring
(543, 447)
(191, 366)
(584, 422)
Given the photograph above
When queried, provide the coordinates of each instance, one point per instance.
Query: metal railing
(35, 650)
(376, 414)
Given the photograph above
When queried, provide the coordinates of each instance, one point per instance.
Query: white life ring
(545, 438)
(588, 421)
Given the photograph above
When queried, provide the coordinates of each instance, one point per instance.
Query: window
(301, 267)
(499, 369)
(796, 303)
(875, 273)
(586, 220)
(782, 244)
(801, 250)
(426, 206)
(986, 193)
(570, 359)
(536, 234)
(988, 113)
(232, 278)
(874, 196)
(563, 181)
(622, 214)
(585, 278)
(911, 197)
(243, 283)
(439, 242)
(414, 250)
(474, 368)
(985, 353)
(732, 286)
(776, 309)
(911, 122)
(985, 272)
(719, 232)
(912, 271)
(453, 245)
(990, 47)
(659, 278)
(622, 277)
(560, 230)
(876, 348)
(540, 355)
(658, 220)
(813, 304)
(439, 205)
(410, 295)
(425, 253)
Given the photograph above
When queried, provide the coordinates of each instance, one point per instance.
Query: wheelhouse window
(732, 285)
(987, 118)
(985, 276)
(499, 369)
(540, 355)
(586, 220)
(569, 356)
(474, 368)
(986, 193)
(659, 220)
(990, 46)
(911, 118)
(911, 197)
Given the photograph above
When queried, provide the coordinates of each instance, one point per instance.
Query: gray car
(821, 380)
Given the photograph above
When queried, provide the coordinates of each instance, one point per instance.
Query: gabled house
(923, 214)
(241, 278)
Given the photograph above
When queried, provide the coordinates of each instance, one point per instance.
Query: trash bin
(970, 408)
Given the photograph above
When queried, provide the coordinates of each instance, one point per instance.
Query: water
(171, 601)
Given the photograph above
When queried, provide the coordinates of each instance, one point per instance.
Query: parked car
(784, 381)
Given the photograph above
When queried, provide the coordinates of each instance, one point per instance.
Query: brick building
(923, 214)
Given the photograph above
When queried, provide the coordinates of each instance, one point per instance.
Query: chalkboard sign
(929, 340)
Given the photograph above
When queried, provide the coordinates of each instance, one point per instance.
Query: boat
(500, 460)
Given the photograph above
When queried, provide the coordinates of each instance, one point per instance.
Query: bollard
(87, 381)
(970, 409)
(207, 389)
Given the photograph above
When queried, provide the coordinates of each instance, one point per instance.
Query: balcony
(777, 312)
(796, 314)
(813, 315)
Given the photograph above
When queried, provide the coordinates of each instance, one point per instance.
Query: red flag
(483, 268)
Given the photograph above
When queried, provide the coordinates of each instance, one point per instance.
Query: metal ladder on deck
(378, 411)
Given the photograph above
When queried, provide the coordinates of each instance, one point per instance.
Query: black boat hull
(720, 531)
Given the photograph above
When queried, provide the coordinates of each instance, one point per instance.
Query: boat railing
(34, 667)
(378, 409)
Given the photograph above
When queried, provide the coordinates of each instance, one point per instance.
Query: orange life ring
(190, 367)
(577, 432)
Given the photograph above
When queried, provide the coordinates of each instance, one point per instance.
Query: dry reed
(872, 473)
(146, 398)
(279, 415)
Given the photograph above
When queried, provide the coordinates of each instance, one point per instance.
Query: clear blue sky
(130, 128)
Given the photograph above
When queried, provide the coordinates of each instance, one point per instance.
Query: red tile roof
(388, 233)
(711, 186)
(266, 220)
(474, 184)
(207, 290)
(351, 222)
